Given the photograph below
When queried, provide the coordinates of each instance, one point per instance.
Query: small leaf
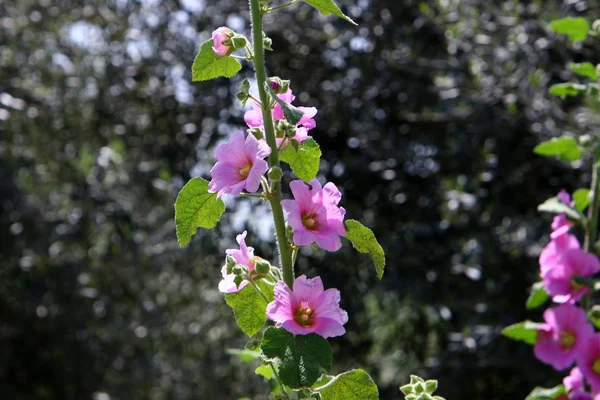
(244, 92)
(244, 354)
(291, 113)
(584, 69)
(264, 370)
(250, 308)
(364, 241)
(566, 89)
(581, 198)
(351, 385)
(327, 7)
(305, 160)
(300, 357)
(540, 393)
(196, 208)
(556, 146)
(555, 206)
(576, 28)
(525, 331)
(537, 297)
(207, 65)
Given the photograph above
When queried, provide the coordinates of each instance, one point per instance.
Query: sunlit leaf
(555, 206)
(581, 198)
(584, 69)
(208, 65)
(364, 241)
(576, 28)
(351, 385)
(567, 89)
(540, 393)
(537, 297)
(304, 159)
(250, 308)
(525, 331)
(327, 7)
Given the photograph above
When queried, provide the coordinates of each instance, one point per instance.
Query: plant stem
(255, 286)
(291, 3)
(275, 199)
(594, 209)
(279, 380)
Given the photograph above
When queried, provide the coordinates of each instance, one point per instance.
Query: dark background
(428, 113)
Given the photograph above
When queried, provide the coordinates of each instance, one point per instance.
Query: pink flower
(314, 214)
(554, 251)
(581, 396)
(558, 278)
(588, 361)
(239, 166)
(243, 256)
(574, 382)
(308, 308)
(560, 223)
(219, 37)
(562, 337)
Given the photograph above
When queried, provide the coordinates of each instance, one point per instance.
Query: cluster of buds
(420, 389)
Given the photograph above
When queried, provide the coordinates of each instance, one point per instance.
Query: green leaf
(300, 357)
(537, 297)
(540, 393)
(584, 69)
(305, 160)
(196, 208)
(207, 65)
(250, 308)
(364, 241)
(581, 198)
(264, 370)
(244, 354)
(566, 89)
(327, 7)
(556, 146)
(555, 206)
(576, 28)
(525, 331)
(351, 385)
(291, 113)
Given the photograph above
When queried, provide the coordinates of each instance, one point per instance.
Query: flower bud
(221, 38)
(257, 133)
(238, 41)
(262, 267)
(267, 42)
(275, 173)
(279, 85)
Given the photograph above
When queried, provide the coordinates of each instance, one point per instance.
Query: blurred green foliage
(428, 114)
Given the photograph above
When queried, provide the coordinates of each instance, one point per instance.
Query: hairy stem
(594, 209)
(285, 258)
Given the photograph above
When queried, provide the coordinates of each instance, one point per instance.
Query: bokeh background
(428, 113)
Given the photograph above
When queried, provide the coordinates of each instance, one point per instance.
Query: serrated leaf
(291, 113)
(364, 241)
(576, 28)
(351, 385)
(196, 208)
(581, 198)
(556, 146)
(555, 206)
(327, 7)
(584, 69)
(301, 357)
(537, 297)
(208, 65)
(540, 393)
(250, 308)
(305, 160)
(264, 370)
(525, 331)
(567, 89)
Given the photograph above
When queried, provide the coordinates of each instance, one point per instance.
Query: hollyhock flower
(308, 308)
(240, 165)
(560, 223)
(581, 396)
(219, 37)
(558, 278)
(554, 251)
(315, 216)
(562, 336)
(588, 361)
(574, 382)
(244, 256)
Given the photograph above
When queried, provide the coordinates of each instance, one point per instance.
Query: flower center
(304, 315)
(310, 221)
(566, 340)
(245, 171)
(596, 366)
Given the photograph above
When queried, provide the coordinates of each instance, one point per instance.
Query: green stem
(254, 195)
(592, 225)
(291, 3)
(275, 199)
(255, 286)
(279, 380)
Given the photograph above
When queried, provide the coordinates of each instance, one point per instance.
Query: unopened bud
(267, 42)
(275, 174)
(262, 267)
(238, 41)
(257, 133)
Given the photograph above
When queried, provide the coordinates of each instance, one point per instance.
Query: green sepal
(352, 385)
(208, 65)
(576, 28)
(303, 159)
(249, 307)
(364, 241)
(301, 358)
(525, 331)
(196, 208)
(328, 7)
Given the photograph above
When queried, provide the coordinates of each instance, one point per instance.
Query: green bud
(267, 42)
(406, 389)
(275, 174)
(238, 41)
(256, 132)
(262, 267)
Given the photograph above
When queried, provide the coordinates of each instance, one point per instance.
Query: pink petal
(307, 289)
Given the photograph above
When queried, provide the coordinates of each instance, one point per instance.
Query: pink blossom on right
(588, 361)
(219, 36)
(240, 165)
(559, 278)
(308, 308)
(562, 336)
(315, 216)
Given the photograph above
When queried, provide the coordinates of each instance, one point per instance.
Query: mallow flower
(244, 255)
(240, 165)
(560, 223)
(562, 336)
(588, 361)
(556, 249)
(559, 279)
(315, 216)
(574, 382)
(308, 308)
(219, 37)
